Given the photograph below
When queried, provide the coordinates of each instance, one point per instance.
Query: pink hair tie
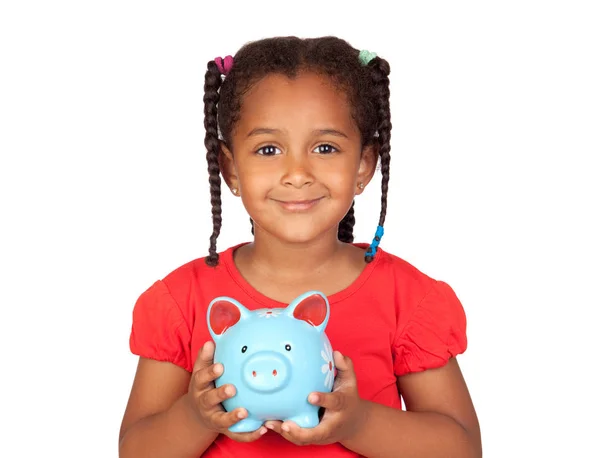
(224, 65)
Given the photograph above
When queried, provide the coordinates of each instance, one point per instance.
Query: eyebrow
(333, 132)
(262, 130)
(267, 130)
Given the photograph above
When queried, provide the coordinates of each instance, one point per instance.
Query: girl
(296, 128)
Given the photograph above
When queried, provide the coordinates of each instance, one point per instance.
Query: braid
(380, 70)
(346, 226)
(212, 83)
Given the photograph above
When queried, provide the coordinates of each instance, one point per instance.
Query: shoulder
(191, 286)
(430, 318)
(198, 272)
(393, 272)
(416, 295)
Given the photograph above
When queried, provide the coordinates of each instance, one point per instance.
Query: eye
(244, 348)
(288, 347)
(325, 148)
(268, 150)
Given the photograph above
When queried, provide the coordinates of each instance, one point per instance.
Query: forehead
(308, 99)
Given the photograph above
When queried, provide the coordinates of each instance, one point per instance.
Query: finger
(205, 356)
(247, 437)
(343, 363)
(301, 436)
(330, 401)
(216, 396)
(223, 420)
(203, 377)
(274, 425)
(345, 368)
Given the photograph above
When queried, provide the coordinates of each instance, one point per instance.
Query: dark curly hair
(367, 88)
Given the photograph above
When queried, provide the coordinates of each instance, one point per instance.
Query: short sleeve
(434, 333)
(159, 330)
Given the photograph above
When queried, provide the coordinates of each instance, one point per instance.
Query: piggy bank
(274, 357)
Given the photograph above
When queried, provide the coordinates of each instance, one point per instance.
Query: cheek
(255, 180)
(342, 176)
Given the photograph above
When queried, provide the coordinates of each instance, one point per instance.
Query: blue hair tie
(375, 243)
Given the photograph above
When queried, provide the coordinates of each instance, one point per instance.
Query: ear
(367, 166)
(222, 314)
(312, 307)
(227, 167)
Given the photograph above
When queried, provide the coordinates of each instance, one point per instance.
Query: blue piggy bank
(274, 357)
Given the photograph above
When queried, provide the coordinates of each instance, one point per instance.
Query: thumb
(205, 356)
(344, 366)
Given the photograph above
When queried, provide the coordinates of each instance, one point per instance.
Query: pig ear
(223, 313)
(312, 307)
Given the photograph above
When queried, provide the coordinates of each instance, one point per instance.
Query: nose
(298, 171)
(266, 371)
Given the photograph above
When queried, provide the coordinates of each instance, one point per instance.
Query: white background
(494, 189)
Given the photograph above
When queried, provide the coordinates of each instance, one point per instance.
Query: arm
(177, 415)
(440, 420)
(159, 420)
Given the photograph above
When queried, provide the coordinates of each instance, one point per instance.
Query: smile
(298, 205)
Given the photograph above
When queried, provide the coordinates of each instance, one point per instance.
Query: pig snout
(266, 371)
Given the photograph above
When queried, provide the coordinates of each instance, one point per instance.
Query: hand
(345, 411)
(205, 400)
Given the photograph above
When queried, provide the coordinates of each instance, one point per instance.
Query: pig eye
(288, 347)
(244, 348)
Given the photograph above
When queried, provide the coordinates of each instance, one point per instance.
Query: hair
(366, 86)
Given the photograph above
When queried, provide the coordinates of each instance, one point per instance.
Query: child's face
(296, 157)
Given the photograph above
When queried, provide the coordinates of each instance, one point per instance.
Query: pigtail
(212, 83)
(380, 70)
(346, 226)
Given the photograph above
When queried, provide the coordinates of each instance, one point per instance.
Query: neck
(293, 260)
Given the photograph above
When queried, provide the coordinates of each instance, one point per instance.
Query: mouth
(298, 205)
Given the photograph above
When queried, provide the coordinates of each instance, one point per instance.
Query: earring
(361, 186)
(234, 191)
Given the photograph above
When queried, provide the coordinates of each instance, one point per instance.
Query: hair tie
(366, 56)
(375, 243)
(224, 65)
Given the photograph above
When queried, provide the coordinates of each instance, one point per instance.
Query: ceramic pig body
(274, 357)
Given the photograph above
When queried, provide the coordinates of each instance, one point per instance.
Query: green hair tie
(366, 56)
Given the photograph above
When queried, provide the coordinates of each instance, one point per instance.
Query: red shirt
(391, 321)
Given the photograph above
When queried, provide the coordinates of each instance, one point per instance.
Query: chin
(303, 233)
(300, 228)
(296, 236)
